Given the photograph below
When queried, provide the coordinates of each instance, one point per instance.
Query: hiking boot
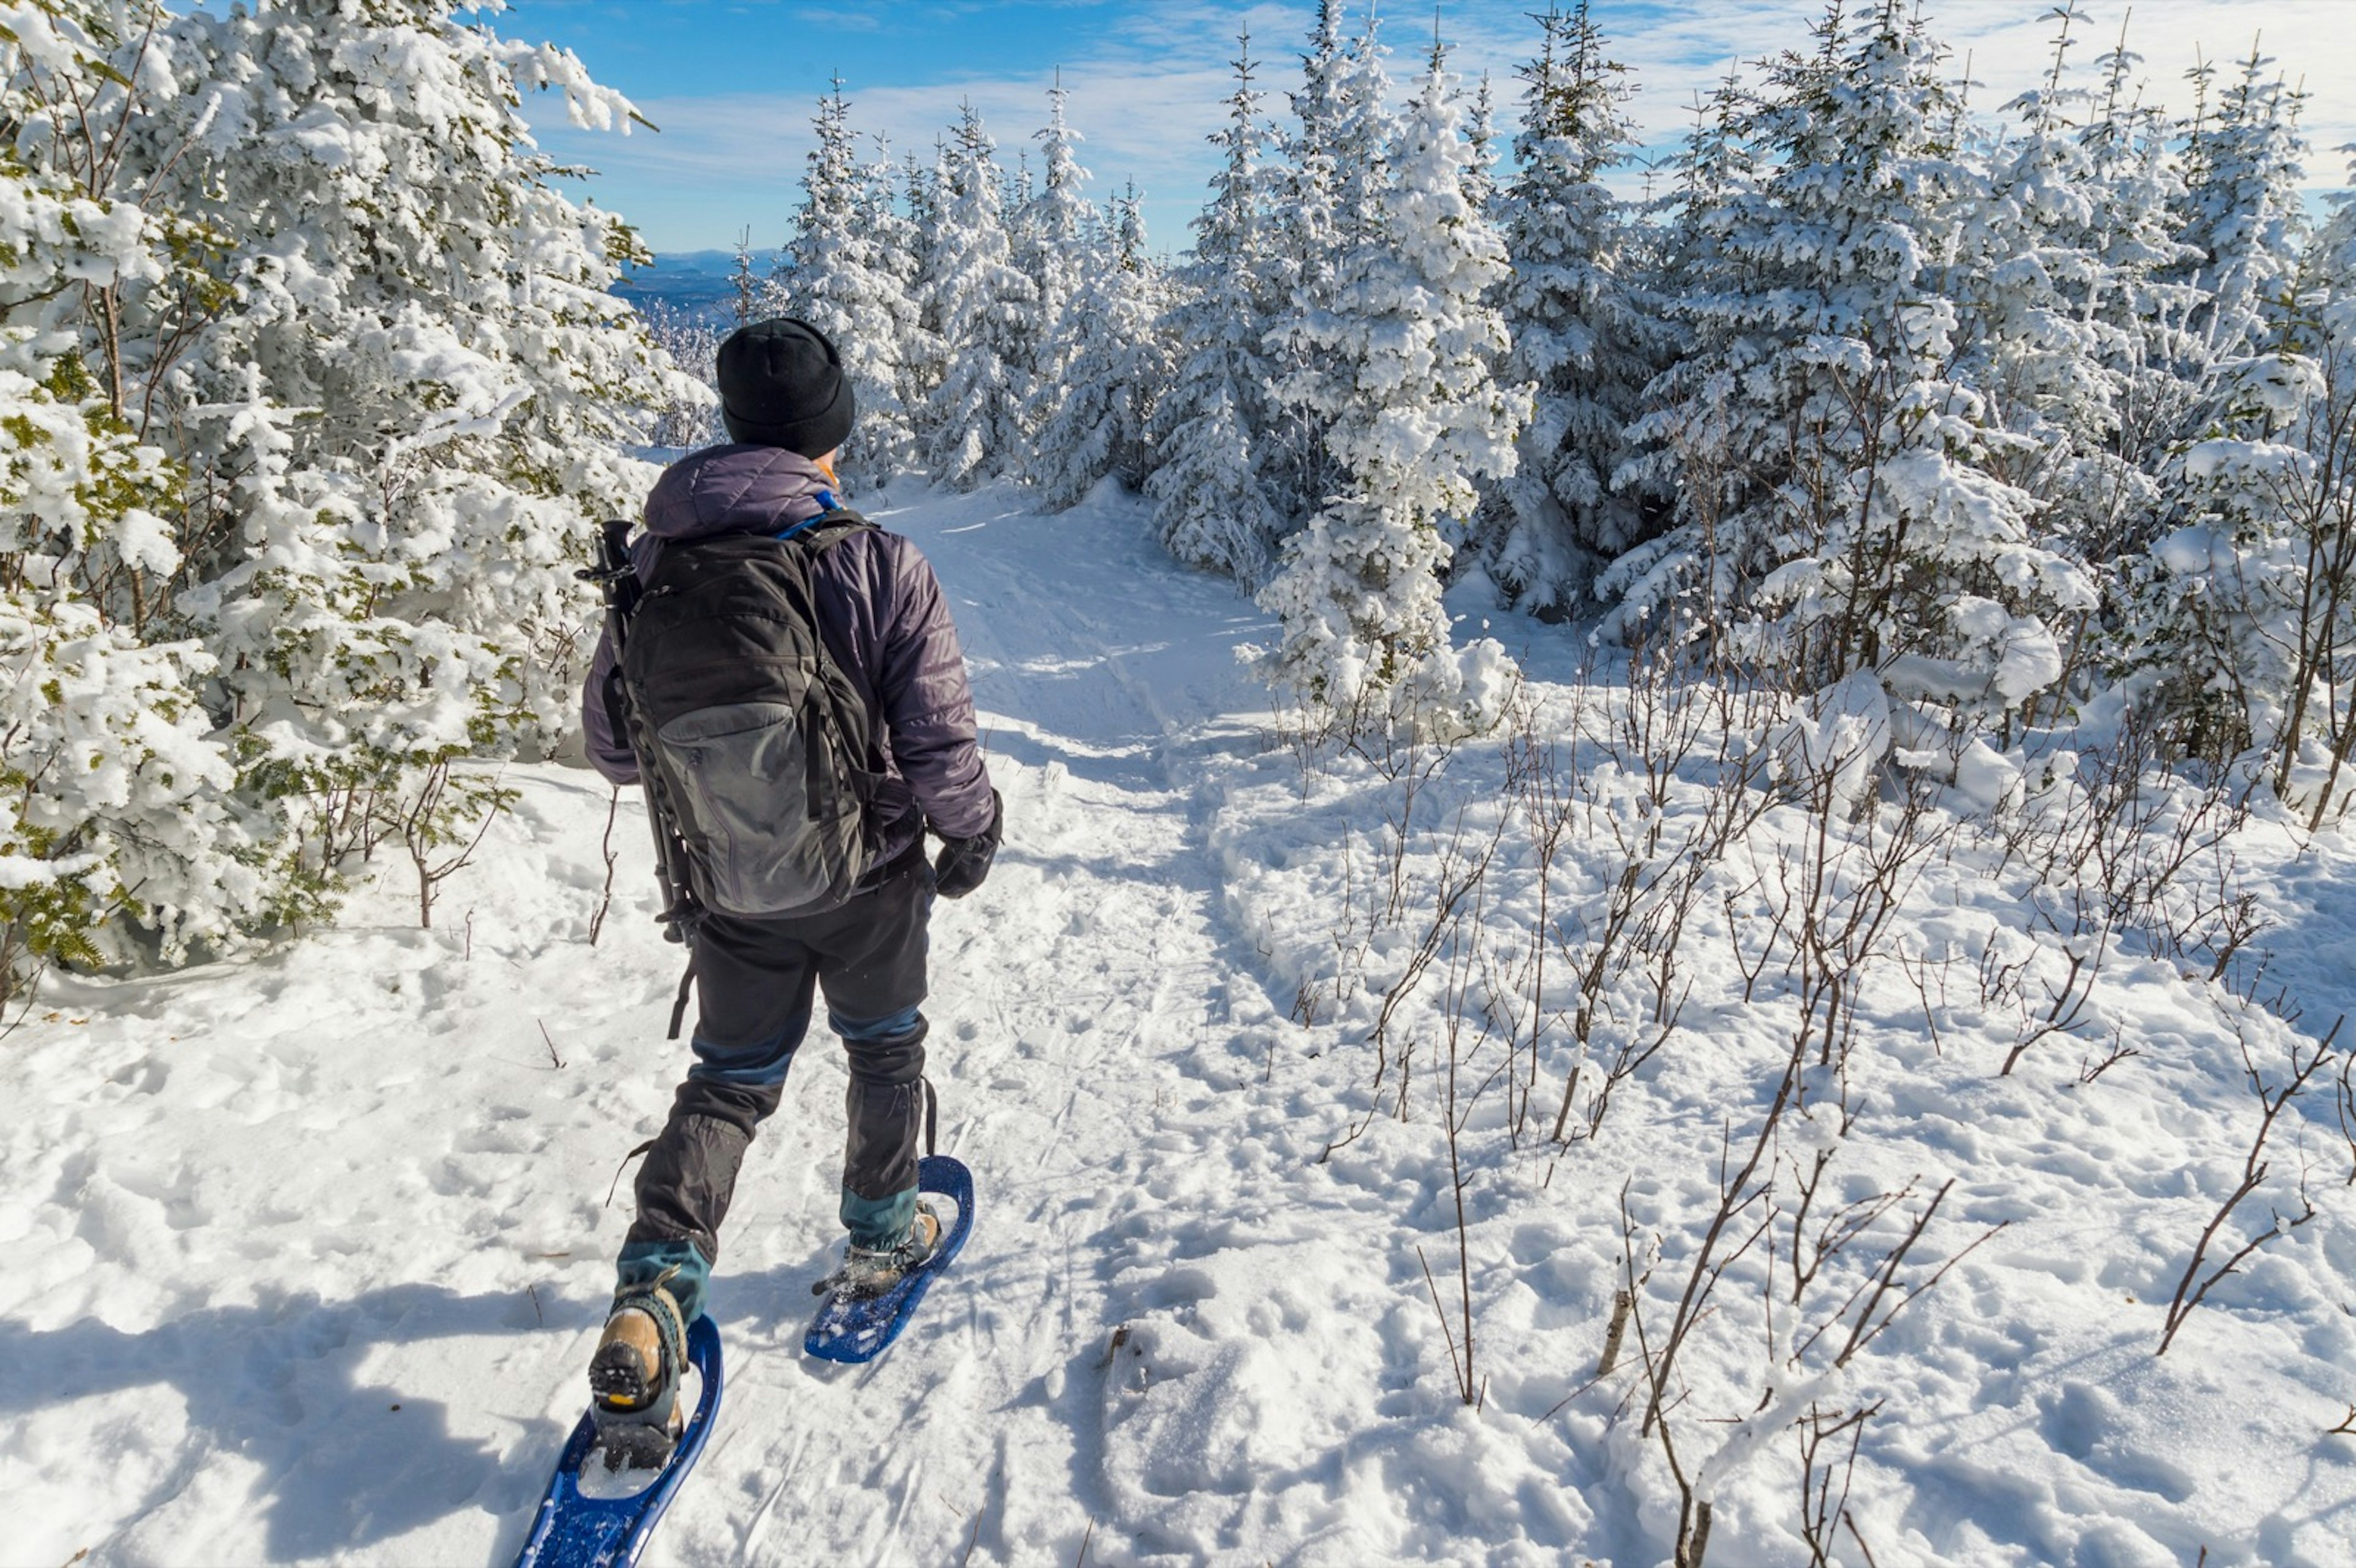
(634, 1380)
(869, 1271)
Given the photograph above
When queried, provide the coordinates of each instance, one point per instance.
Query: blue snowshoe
(626, 1457)
(871, 1299)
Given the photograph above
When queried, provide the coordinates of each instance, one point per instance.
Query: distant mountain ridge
(695, 282)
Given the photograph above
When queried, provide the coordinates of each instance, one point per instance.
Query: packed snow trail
(313, 1250)
(1062, 990)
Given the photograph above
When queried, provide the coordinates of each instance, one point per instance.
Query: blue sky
(731, 82)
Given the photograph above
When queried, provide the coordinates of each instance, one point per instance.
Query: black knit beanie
(781, 384)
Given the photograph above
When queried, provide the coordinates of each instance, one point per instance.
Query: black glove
(964, 863)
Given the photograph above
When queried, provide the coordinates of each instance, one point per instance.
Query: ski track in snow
(309, 1251)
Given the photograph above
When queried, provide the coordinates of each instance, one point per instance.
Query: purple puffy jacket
(883, 618)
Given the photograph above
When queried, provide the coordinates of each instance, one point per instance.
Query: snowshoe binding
(869, 1271)
(634, 1380)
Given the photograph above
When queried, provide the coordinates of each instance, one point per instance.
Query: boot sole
(637, 1427)
(618, 1379)
(636, 1445)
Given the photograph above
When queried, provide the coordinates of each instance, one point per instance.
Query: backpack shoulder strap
(827, 529)
(815, 536)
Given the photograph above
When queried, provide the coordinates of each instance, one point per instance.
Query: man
(788, 407)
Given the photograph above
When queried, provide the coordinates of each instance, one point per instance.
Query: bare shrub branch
(2194, 1286)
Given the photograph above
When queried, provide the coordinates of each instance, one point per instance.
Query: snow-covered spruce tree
(1400, 376)
(2114, 283)
(1574, 314)
(1304, 218)
(900, 256)
(1054, 248)
(901, 212)
(400, 406)
(1336, 155)
(984, 312)
(1210, 502)
(2320, 501)
(919, 187)
(2042, 333)
(2224, 609)
(2242, 211)
(1684, 258)
(1480, 132)
(2030, 270)
(749, 287)
(691, 339)
(840, 277)
(1117, 365)
(2234, 606)
(117, 828)
(1843, 517)
(1014, 195)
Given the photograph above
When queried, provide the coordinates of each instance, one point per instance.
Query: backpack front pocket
(743, 771)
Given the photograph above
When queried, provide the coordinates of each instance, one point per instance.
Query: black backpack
(755, 740)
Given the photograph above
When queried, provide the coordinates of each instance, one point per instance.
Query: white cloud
(848, 20)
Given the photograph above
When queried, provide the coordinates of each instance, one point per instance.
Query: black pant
(755, 983)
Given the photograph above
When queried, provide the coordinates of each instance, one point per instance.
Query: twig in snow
(1866, 1327)
(1621, 1302)
(2194, 1287)
(606, 899)
(2120, 1050)
(1454, 1113)
(1849, 1522)
(1455, 1358)
(429, 825)
(32, 986)
(2062, 1018)
(1462, 873)
(1917, 968)
(2344, 1102)
(1826, 1478)
(1693, 1514)
(1691, 1551)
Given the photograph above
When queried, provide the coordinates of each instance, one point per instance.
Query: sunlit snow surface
(307, 1255)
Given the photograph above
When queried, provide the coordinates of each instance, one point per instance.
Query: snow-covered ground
(306, 1256)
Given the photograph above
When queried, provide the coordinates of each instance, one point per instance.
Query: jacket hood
(736, 489)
